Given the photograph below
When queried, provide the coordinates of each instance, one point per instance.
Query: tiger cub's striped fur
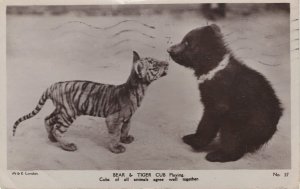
(116, 103)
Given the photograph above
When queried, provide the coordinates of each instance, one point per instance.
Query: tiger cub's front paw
(69, 146)
(52, 138)
(117, 149)
(127, 140)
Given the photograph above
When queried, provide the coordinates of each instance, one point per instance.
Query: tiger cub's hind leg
(62, 123)
(114, 130)
(125, 138)
(49, 124)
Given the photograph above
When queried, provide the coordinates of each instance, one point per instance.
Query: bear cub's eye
(186, 43)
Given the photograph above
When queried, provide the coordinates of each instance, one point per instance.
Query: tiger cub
(116, 103)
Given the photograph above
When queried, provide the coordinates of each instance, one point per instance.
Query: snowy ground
(39, 55)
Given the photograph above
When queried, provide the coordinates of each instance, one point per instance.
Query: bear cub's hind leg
(232, 146)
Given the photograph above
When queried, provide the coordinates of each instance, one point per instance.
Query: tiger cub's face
(149, 69)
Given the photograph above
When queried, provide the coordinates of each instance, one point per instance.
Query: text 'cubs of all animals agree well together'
(116, 103)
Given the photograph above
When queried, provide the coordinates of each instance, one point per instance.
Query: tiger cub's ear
(138, 66)
(140, 69)
(136, 56)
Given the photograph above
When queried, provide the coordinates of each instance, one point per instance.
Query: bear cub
(239, 103)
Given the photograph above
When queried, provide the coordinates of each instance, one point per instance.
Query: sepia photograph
(202, 86)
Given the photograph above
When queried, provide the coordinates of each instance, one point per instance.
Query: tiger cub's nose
(165, 63)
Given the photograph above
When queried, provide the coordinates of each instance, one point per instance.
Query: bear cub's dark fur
(239, 103)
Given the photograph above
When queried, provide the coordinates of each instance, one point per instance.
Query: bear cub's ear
(216, 28)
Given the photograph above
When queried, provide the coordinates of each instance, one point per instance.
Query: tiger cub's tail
(41, 103)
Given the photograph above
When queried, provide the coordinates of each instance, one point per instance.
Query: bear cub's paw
(222, 156)
(195, 142)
